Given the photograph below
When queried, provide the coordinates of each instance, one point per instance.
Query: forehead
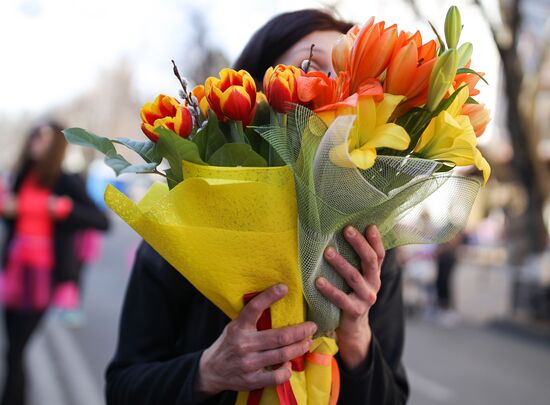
(323, 41)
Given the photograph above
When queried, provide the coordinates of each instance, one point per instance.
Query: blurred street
(464, 364)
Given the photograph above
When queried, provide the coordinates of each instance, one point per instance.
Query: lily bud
(340, 52)
(453, 27)
(442, 77)
(464, 54)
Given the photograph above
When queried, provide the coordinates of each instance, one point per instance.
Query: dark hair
(279, 34)
(48, 168)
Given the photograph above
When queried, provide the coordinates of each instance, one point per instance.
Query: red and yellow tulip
(450, 137)
(478, 115)
(232, 96)
(165, 112)
(281, 88)
(199, 93)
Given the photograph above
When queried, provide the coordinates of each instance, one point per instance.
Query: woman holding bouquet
(175, 347)
(43, 210)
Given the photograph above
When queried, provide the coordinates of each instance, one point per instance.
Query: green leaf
(121, 165)
(79, 136)
(236, 154)
(145, 149)
(170, 179)
(442, 47)
(471, 100)
(209, 138)
(446, 102)
(468, 70)
(175, 149)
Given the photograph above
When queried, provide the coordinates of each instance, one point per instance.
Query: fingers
(350, 274)
(375, 240)
(270, 358)
(276, 338)
(252, 311)
(270, 378)
(347, 303)
(367, 254)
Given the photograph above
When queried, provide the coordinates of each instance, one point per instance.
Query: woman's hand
(354, 333)
(244, 359)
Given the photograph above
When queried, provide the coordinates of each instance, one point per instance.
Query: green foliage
(176, 149)
(236, 154)
(119, 164)
(468, 70)
(146, 149)
(79, 136)
(209, 138)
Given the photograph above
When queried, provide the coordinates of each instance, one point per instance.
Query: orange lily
(165, 112)
(342, 49)
(469, 79)
(281, 88)
(371, 88)
(371, 52)
(316, 90)
(478, 115)
(409, 72)
(232, 96)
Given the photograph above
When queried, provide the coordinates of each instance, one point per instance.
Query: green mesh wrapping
(391, 195)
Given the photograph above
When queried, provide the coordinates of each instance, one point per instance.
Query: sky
(54, 50)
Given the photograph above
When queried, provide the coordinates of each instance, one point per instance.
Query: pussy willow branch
(191, 100)
(307, 65)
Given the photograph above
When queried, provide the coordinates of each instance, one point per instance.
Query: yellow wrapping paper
(230, 232)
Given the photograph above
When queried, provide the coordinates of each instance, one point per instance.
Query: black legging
(20, 326)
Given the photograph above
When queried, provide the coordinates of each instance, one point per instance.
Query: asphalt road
(466, 365)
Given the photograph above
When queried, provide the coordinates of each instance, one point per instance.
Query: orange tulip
(478, 115)
(232, 96)
(342, 49)
(371, 52)
(198, 92)
(280, 87)
(409, 71)
(165, 112)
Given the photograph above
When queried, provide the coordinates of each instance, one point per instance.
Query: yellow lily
(370, 131)
(450, 137)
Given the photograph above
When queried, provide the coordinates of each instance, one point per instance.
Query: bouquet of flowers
(259, 184)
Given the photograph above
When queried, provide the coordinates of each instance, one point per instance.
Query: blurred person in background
(446, 259)
(176, 347)
(42, 210)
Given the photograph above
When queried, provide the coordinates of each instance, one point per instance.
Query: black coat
(166, 324)
(84, 215)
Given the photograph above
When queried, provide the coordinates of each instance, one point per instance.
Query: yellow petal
(385, 108)
(366, 118)
(339, 155)
(363, 158)
(456, 106)
(389, 136)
